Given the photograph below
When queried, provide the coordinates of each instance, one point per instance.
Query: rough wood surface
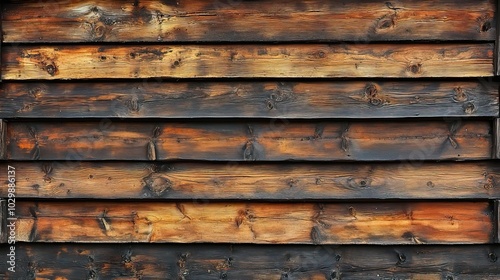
(3, 145)
(258, 99)
(249, 141)
(207, 261)
(497, 42)
(254, 222)
(29, 62)
(275, 181)
(236, 20)
(496, 128)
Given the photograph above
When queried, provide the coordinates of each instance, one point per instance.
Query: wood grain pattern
(245, 181)
(29, 62)
(218, 261)
(249, 141)
(254, 222)
(237, 21)
(257, 99)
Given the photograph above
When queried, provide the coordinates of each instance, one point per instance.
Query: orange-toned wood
(251, 99)
(236, 21)
(30, 62)
(249, 141)
(256, 181)
(253, 222)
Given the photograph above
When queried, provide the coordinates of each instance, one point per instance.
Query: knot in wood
(157, 185)
(414, 68)
(51, 69)
(469, 108)
(459, 95)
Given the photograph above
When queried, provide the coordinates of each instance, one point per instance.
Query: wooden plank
(219, 261)
(3, 220)
(274, 99)
(497, 213)
(29, 62)
(245, 181)
(209, 21)
(497, 44)
(254, 222)
(496, 128)
(250, 141)
(3, 145)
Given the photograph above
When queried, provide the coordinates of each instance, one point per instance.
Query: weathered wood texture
(277, 99)
(497, 225)
(3, 145)
(496, 128)
(277, 181)
(236, 21)
(497, 47)
(203, 261)
(250, 141)
(254, 222)
(247, 61)
(3, 220)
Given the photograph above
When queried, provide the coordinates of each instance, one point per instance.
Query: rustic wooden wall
(231, 139)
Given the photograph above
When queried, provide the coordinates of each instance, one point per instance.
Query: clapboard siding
(3, 133)
(237, 21)
(250, 141)
(28, 62)
(254, 222)
(267, 128)
(201, 261)
(256, 181)
(255, 99)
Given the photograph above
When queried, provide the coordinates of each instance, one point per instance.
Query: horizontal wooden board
(217, 261)
(3, 129)
(276, 99)
(253, 222)
(250, 141)
(236, 20)
(276, 181)
(27, 62)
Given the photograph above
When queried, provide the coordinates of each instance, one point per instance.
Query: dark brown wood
(3, 145)
(245, 181)
(236, 21)
(254, 222)
(217, 261)
(257, 99)
(497, 43)
(3, 219)
(250, 141)
(54, 62)
(497, 224)
(496, 128)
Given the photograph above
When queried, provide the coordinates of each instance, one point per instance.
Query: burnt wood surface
(251, 99)
(3, 148)
(250, 141)
(256, 222)
(203, 182)
(55, 62)
(219, 261)
(238, 21)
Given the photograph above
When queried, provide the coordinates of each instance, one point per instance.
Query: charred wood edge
(496, 214)
(496, 135)
(3, 147)
(497, 41)
(3, 220)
